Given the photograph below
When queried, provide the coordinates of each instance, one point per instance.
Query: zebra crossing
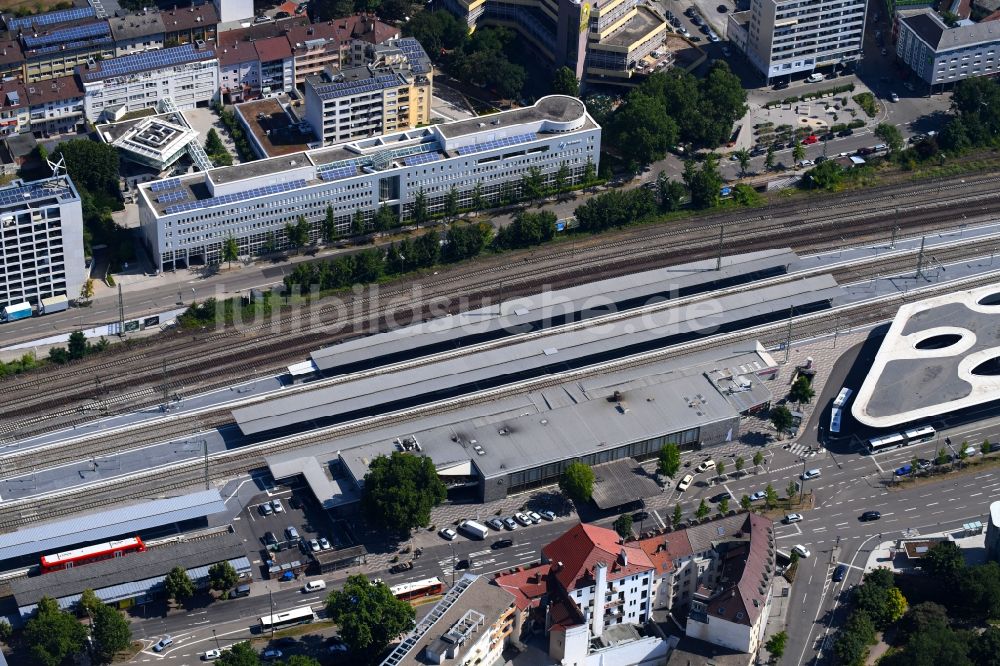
(802, 451)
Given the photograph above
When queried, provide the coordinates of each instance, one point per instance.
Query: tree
(671, 193)
(642, 129)
(562, 177)
(781, 419)
(770, 496)
(743, 157)
(791, 489)
(565, 83)
(230, 250)
(798, 151)
(776, 644)
(769, 158)
(891, 135)
(329, 225)
(921, 618)
(533, 184)
(298, 233)
(368, 615)
(53, 635)
(851, 645)
(391, 11)
(702, 510)
(222, 576)
(577, 481)
(758, 458)
(400, 491)
(678, 515)
(88, 603)
(724, 506)
(896, 603)
(239, 654)
(77, 345)
(802, 390)
(589, 171)
(746, 503)
(178, 585)
(436, 31)
(111, 632)
(301, 660)
(59, 355)
(87, 290)
(963, 454)
(526, 230)
(451, 203)
(942, 456)
(720, 468)
(92, 165)
(944, 561)
(985, 649)
(623, 525)
(825, 176)
(670, 459)
(385, 218)
(739, 463)
(706, 185)
(419, 213)
(478, 203)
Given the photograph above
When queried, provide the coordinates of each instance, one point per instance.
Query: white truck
(16, 311)
(474, 529)
(54, 304)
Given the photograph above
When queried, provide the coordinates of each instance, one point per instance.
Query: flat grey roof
(906, 383)
(578, 418)
(560, 108)
(58, 536)
(510, 363)
(136, 25)
(637, 27)
(258, 168)
(621, 482)
(529, 310)
(137, 566)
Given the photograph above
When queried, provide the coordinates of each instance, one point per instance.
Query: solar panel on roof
(496, 143)
(346, 88)
(339, 173)
(51, 18)
(422, 158)
(170, 197)
(18, 195)
(73, 45)
(140, 62)
(161, 185)
(236, 196)
(61, 35)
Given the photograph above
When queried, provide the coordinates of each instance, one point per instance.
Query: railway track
(164, 480)
(265, 347)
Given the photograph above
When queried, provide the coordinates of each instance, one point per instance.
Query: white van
(815, 78)
(314, 586)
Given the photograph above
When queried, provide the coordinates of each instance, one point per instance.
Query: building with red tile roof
(577, 552)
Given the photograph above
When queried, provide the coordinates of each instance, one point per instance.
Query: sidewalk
(781, 590)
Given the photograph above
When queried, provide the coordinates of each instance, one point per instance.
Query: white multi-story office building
(189, 218)
(783, 37)
(941, 55)
(41, 254)
(187, 75)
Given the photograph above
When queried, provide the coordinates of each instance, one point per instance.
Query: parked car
(502, 543)
(211, 655)
(314, 545)
(757, 496)
(893, 97)
(923, 463)
(448, 534)
(401, 567)
(801, 550)
(839, 573)
(639, 516)
(685, 483)
(879, 147)
(847, 131)
(522, 519)
(864, 151)
(905, 470)
(809, 140)
(270, 539)
(336, 644)
(820, 159)
(829, 136)
(806, 163)
(548, 515)
(461, 564)
(705, 466)
(265, 509)
(163, 644)
(535, 518)
(292, 533)
(971, 451)
(510, 523)
(277, 506)
(780, 85)
(271, 653)
(869, 516)
(495, 523)
(811, 474)
(722, 496)
(324, 544)
(815, 77)
(792, 518)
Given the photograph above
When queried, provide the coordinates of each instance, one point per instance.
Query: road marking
(910, 509)
(887, 514)
(975, 495)
(933, 503)
(840, 524)
(656, 515)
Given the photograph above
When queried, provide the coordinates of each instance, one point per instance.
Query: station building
(189, 218)
(42, 241)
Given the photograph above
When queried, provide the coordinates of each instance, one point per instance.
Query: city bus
(86, 555)
(841, 400)
(885, 443)
(920, 435)
(836, 414)
(287, 618)
(418, 588)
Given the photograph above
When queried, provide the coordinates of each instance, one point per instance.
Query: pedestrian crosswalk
(801, 450)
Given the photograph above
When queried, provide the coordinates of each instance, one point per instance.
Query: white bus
(837, 413)
(287, 618)
(920, 435)
(886, 443)
(841, 400)
(835, 416)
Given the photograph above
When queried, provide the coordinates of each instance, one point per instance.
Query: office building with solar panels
(187, 75)
(188, 219)
(41, 251)
(392, 92)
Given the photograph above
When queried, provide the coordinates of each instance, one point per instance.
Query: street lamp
(219, 647)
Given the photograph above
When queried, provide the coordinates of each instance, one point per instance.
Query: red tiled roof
(275, 48)
(289, 7)
(235, 53)
(563, 614)
(54, 90)
(527, 585)
(995, 16)
(663, 549)
(583, 547)
(10, 51)
(746, 562)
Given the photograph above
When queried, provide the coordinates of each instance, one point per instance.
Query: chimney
(600, 590)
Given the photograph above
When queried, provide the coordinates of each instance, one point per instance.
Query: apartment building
(54, 44)
(942, 55)
(785, 37)
(14, 113)
(391, 93)
(190, 25)
(56, 105)
(11, 58)
(187, 75)
(135, 32)
(189, 218)
(601, 40)
(41, 254)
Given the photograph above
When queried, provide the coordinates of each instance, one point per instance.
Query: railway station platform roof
(132, 576)
(576, 418)
(108, 524)
(629, 335)
(940, 355)
(549, 308)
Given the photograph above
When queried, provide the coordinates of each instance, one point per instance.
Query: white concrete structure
(992, 542)
(234, 11)
(154, 142)
(190, 218)
(41, 252)
(783, 37)
(958, 335)
(187, 75)
(940, 55)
